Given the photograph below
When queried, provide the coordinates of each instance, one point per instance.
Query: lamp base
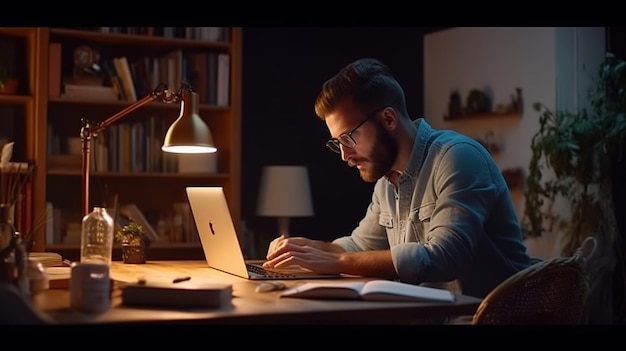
(283, 226)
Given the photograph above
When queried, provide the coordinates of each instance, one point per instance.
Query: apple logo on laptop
(211, 227)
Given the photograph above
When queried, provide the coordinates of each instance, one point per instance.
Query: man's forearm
(368, 263)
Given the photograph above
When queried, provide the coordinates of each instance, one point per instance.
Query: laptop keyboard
(258, 270)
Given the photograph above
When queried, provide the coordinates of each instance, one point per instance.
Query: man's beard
(382, 157)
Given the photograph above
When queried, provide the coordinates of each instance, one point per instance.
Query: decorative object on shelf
(87, 69)
(477, 102)
(516, 101)
(285, 192)
(455, 106)
(134, 243)
(9, 86)
(188, 133)
(8, 83)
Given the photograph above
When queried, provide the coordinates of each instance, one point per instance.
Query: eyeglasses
(346, 139)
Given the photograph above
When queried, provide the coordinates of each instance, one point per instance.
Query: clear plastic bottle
(97, 237)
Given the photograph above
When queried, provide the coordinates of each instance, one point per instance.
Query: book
(223, 79)
(180, 294)
(47, 259)
(374, 290)
(58, 277)
(123, 71)
(54, 69)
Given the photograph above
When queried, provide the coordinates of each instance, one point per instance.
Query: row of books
(210, 34)
(174, 225)
(125, 147)
(208, 73)
(130, 79)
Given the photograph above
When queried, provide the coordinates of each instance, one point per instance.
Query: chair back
(552, 291)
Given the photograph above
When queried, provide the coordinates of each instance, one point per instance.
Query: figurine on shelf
(478, 102)
(516, 100)
(454, 106)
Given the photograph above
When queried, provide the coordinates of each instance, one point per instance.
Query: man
(441, 210)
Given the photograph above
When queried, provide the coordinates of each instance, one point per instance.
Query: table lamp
(284, 192)
(188, 134)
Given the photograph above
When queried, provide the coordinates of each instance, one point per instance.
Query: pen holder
(90, 287)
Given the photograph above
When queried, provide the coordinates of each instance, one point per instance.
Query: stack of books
(96, 92)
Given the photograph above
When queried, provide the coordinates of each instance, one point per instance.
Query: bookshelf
(135, 171)
(20, 52)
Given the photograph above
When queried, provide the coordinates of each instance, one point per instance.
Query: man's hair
(370, 85)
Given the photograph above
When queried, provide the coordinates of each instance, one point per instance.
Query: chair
(16, 309)
(552, 291)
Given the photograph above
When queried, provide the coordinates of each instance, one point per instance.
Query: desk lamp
(284, 192)
(188, 134)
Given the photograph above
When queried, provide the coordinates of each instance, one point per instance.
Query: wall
(552, 65)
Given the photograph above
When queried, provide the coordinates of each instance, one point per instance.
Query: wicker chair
(552, 291)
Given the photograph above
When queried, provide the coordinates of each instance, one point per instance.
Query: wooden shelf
(78, 173)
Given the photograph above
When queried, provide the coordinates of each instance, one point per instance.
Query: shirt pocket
(385, 219)
(425, 212)
(420, 221)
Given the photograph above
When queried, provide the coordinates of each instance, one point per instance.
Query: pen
(178, 280)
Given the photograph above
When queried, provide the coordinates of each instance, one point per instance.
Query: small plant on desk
(134, 242)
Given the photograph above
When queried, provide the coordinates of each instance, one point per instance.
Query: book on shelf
(123, 72)
(98, 92)
(54, 69)
(132, 212)
(223, 79)
(374, 290)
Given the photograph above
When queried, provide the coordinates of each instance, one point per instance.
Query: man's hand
(311, 254)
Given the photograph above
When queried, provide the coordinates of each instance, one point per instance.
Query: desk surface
(247, 307)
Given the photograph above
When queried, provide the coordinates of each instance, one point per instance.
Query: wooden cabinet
(53, 123)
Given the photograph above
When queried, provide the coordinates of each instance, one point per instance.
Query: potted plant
(134, 242)
(574, 156)
(8, 84)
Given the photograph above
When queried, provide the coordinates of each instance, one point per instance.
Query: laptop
(220, 242)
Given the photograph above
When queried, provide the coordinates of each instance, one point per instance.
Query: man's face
(375, 150)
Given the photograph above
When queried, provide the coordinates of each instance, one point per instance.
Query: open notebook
(220, 242)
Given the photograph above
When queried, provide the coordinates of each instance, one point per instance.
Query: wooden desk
(248, 306)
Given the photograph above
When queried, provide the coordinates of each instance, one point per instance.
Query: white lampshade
(284, 192)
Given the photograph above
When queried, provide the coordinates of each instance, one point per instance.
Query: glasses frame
(334, 144)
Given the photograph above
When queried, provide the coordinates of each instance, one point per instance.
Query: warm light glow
(189, 149)
(189, 134)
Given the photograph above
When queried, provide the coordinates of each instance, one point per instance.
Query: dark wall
(283, 71)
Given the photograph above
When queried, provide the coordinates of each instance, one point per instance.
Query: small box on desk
(183, 294)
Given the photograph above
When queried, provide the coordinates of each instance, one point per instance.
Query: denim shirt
(452, 217)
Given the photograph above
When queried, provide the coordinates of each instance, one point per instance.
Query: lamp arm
(89, 131)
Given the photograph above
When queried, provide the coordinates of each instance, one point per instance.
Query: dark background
(283, 70)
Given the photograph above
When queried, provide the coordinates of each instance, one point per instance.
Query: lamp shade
(189, 134)
(285, 192)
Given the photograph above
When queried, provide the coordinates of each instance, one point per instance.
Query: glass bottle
(96, 244)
